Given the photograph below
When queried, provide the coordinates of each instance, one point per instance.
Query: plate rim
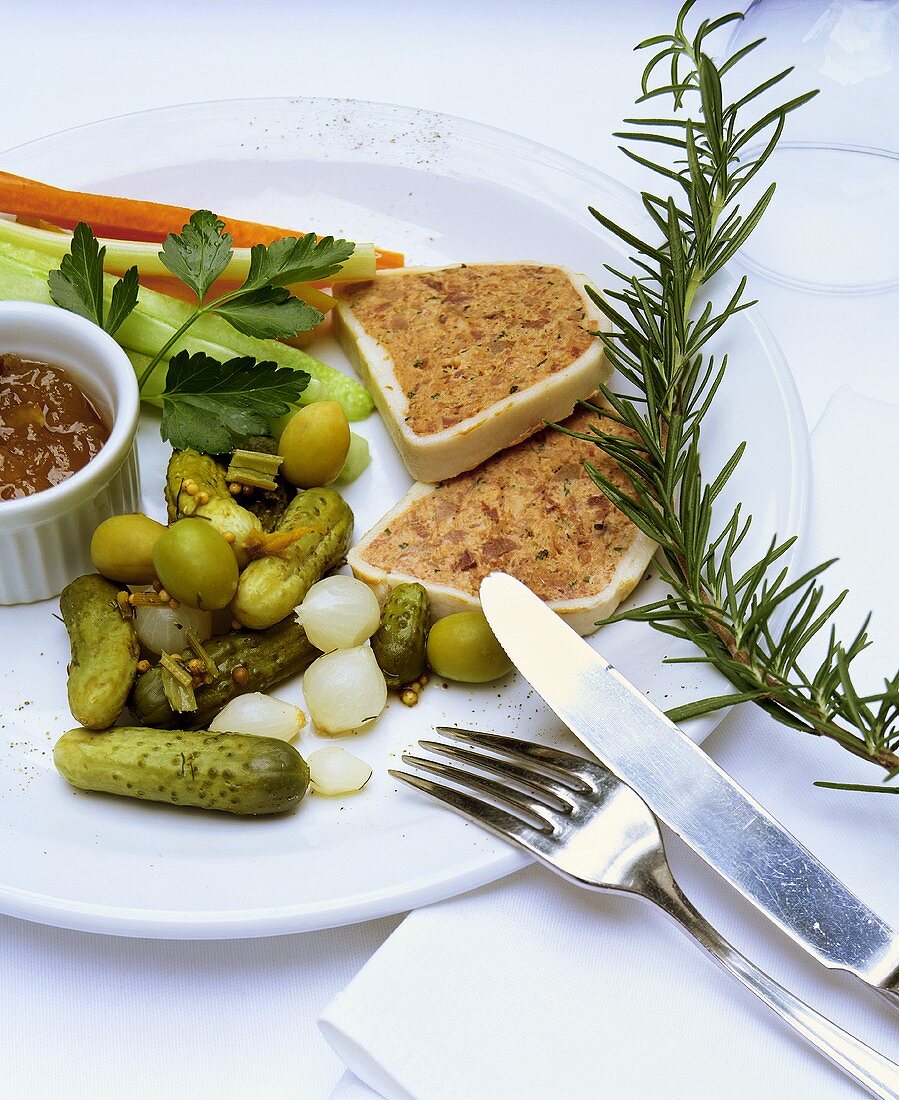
(484, 867)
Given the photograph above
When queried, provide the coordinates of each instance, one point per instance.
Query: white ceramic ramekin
(45, 538)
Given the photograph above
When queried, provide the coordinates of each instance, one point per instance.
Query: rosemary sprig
(755, 626)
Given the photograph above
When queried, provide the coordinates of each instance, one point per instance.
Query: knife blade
(687, 790)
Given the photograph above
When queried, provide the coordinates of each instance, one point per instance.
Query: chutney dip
(49, 429)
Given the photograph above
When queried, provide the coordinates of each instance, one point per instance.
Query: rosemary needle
(662, 328)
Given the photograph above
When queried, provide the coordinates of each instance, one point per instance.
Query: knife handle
(869, 1067)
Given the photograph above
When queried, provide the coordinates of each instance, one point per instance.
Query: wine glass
(832, 225)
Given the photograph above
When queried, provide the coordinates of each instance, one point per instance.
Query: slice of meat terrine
(465, 361)
(532, 511)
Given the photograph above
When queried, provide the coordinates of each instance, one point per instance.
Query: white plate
(442, 190)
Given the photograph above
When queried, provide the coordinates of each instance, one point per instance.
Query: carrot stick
(128, 219)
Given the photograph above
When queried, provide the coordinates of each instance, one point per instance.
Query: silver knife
(687, 790)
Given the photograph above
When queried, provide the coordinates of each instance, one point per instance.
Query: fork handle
(871, 1069)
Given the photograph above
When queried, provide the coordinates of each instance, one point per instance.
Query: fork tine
(498, 821)
(578, 773)
(556, 794)
(545, 815)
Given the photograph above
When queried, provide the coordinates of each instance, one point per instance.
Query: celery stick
(359, 266)
(23, 277)
(358, 457)
(157, 316)
(120, 255)
(26, 257)
(20, 283)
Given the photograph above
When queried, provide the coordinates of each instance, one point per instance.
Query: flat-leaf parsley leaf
(199, 254)
(296, 260)
(207, 404)
(269, 313)
(78, 284)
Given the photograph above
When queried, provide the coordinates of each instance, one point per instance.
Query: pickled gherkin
(236, 773)
(105, 651)
(195, 485)
(248, 660)
(269, 507)
(316, 528)
(400, 643)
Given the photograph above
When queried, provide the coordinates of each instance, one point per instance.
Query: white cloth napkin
(92, 1017)
(533, 989)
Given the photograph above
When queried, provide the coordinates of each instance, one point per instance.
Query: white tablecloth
(87, 1016)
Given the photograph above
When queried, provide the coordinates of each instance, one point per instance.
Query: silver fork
(587, 825)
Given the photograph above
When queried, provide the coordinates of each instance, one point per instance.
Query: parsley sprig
(207, 404)
(262, 306)
(755, 624)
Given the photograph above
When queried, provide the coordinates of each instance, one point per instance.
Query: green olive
(463, 647)
(196, 564)
(122, 548)
(314, 445)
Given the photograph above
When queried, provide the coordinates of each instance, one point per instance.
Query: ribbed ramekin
(45, 538)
